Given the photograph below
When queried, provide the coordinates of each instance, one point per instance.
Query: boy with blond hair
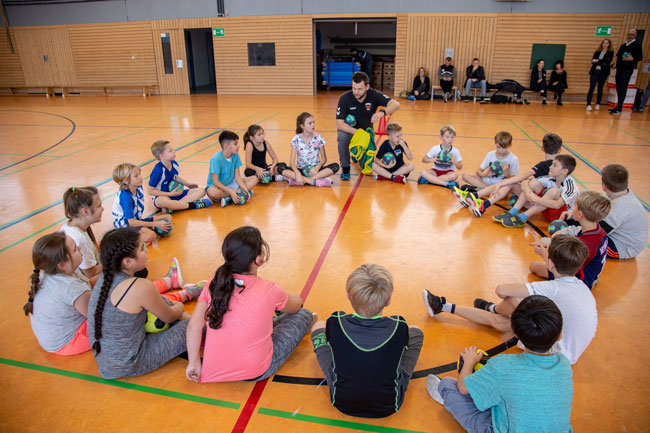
(367, 359)
(591, 208)
(445, 158)
(168, 190)
(395, 170)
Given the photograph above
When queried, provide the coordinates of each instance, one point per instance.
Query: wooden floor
(317, 237)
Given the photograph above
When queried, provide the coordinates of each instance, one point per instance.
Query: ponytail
(47, 253)
(76, 198)
(116, 245)
(250, 132)
(240, 248)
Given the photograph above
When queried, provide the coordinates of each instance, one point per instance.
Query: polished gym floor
(317, 237)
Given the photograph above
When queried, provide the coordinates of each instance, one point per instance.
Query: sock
(523, 217)
(448, 307)
(486, 204)
(163, 284)
(191, 205)
(176, 296)
(313, 182)
(492, 308)
(513, 211)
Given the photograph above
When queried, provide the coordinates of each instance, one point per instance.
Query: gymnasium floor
(317, 237)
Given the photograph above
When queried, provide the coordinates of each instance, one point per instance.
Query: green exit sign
(222, 32)
(603, 30)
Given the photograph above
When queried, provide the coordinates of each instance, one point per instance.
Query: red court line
(256, 393)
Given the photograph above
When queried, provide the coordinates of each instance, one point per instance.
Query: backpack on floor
(363, 149)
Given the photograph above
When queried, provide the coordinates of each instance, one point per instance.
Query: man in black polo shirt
(357, 109)
(626, 59)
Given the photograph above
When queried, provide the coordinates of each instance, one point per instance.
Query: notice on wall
(449, 52)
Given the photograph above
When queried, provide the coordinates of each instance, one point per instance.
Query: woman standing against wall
(599, 71)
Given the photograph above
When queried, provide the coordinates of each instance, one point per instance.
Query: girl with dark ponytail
(57, 303)
(117, 312)
(83, 207)
(244, 341)
(256, 148)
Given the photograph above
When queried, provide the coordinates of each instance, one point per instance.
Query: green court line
(333, 422)
(121, 384)
(641, 129)
(197, 162)
(629, 133)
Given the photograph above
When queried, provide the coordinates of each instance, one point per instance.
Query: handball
(266, 178)
(444, 156)
(351, 120)
(478, 366)
(388, 158)
(496, 168)
(175, 186)
(513, 199)
(243, 197)
(153, 324)
(556, 225)
(305, 170)
(163, 232)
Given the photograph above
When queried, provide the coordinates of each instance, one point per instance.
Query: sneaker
(279, 178)
(461, 196)
(432, 302)
(445, 96)
(378, 177)
(166, 211)
(513, 221)
(226, 201)
(451, 185)
(433, 382)
(544, 102)
(615, 111)
(502, 216)
(589, 107)
(293, 182)
(326, 181)
(204, 202)
(192, 291)
(475, 204)
(597, 107)
(470, 188)
(559, 102)
(175, 275)
(345, 176)
(422, 181)
(399, 179)
(482, 304)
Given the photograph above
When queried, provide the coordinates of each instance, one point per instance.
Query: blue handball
(388, 158)
(496, 168)
(351, 120)
(556, 225)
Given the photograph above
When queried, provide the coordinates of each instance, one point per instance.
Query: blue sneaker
(345, 176)
(205, 202)
(422, 181)
(226, 201)
(452, 185)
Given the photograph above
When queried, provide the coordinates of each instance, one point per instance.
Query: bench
(435, 87)
(146, 88)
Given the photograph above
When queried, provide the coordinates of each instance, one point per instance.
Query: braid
(116, 245)
(29, 306)
(221, 288)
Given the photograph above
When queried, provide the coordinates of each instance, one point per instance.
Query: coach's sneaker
(477, 205)
(399, 179)
(513, 221)
(174, 274)
(460, 195)
(433, 382)
(432, 302)
(482, 304)
(501, 217)
(422, 180)
(345, 173)
(226, 201)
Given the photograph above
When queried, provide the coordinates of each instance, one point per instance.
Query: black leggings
(334, 167)
(539, 87)
(446, 86)
(596, 79)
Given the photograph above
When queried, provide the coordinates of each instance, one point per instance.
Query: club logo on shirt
(368, 106)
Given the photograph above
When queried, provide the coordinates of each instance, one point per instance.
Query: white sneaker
(432, 388)
(280, 178)
(597, 107)
(588, 107)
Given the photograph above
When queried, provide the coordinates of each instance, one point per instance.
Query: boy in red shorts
(444, 157)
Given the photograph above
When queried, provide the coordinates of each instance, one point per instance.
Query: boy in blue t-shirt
(527, 392)
(395, 170)
(225, 179)
(166, 187)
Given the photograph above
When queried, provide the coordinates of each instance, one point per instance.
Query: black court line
(295, 380)
(74, 126)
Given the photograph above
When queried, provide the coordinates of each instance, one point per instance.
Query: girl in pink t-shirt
(244, 341)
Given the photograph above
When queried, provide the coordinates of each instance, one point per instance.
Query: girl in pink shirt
(244, 341)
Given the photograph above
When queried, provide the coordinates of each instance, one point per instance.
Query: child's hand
(392, 164)
(506, 169)
(175, 193)
(540, 248)
(234, 196)
(314, 170)
(161, 216)
(567, 214)
(193, 371)
(162, 224)
(470, 356)
(259, 173)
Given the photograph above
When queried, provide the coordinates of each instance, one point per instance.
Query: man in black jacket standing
(626, 59)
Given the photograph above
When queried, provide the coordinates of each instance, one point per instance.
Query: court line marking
(629, 133)
(74, 127)
(51, 205)
(25, 154)
(333, 422)
(121, 384)
(641, 129)
(258, 389)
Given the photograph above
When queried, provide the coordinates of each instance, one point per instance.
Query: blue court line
(591, 165)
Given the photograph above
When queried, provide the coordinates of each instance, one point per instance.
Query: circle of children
(367, 359)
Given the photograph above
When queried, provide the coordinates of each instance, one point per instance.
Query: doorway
(200, 61)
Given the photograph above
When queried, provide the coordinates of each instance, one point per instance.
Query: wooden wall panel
(36, 42)
(401, 52)
(294, 52)
(102, 54)
(11, 70)
(428, 35)
(516, 34)
(637, 21)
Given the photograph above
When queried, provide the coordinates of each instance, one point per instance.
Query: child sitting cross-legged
(367, 359)
(445, 158)
(526, 392)
(386, 168)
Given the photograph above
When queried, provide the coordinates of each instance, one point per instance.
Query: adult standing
(475, 78)
(365, 60)
(360, 104)
(627, 56)
(446, 75)
(421, 85)
(538, 80)
(600, 64)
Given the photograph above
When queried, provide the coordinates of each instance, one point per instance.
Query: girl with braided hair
(117, 312)
(244, 341)
(58, 298)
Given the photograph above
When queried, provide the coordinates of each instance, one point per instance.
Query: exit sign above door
(603, 30)
(218, 33)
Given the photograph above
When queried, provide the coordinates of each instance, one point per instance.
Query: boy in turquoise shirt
(527, 392)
